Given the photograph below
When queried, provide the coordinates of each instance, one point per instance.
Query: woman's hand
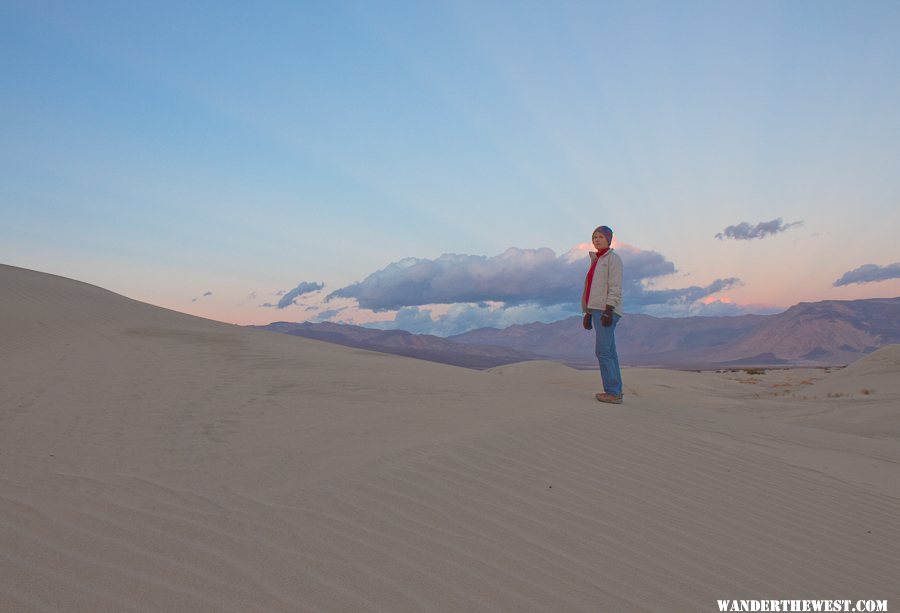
(607, 318)
(586, 322)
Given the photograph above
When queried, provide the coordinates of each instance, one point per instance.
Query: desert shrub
(755, 371)
(866, 391)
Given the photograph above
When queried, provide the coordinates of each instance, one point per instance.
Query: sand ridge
(150, 460)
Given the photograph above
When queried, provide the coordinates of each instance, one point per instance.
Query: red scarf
(590, 276)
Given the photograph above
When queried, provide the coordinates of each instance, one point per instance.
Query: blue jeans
(606, 354)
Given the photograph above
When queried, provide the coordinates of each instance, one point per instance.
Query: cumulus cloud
(516, 276)
(744, 231)
(464, 317)
(456, 293)
(412, 319)
(700, 308)
(870, 273)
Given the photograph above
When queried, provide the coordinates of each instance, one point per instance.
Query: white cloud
(464, 317)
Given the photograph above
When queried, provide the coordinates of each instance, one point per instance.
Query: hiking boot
(609, 398)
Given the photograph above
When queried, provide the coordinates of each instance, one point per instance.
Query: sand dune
(876, 373)
(153, 461)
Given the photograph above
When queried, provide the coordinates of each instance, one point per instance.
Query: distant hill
(831, 332)
(400, 342)
(640, 339)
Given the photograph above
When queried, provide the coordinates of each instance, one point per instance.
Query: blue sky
(214, 158)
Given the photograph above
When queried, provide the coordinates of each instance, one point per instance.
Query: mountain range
(401, 342)
(826, 333)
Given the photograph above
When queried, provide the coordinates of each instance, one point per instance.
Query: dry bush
(755, 371)
(866, 391)
(806, 382)
(836, 394)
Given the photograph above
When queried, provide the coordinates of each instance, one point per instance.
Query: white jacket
(606, 287)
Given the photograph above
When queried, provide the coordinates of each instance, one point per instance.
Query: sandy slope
(154, 461)
(874, 374)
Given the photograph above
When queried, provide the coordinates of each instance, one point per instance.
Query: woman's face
(600, 242)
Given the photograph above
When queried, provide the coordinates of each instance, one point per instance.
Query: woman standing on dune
(601, 303)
